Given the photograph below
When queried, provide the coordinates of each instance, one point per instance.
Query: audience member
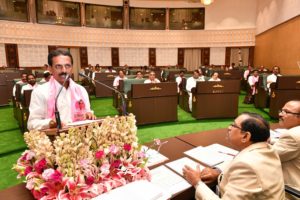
(272, 78)
(118, 78)
(22, 81)
(288, 145)
(252, 80)
(179, 79)
(255, 173)
(139, 75)
(46, 77)
(72, 103)
(152, 78)
(191, 83)
(215, 77)
(247, 72)
(31, 83)
(110, 70)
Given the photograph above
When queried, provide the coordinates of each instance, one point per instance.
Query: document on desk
(154, 157)
(168, 180)
(136, 191)
(83, 122)
(212, 155)
(177, 165)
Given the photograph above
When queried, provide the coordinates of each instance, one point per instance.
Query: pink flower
(52, 175)
(28, 170)
(99, 154)
(90, 180)
(113, 149)
(40, 165)
(127, 147)
(116, 164)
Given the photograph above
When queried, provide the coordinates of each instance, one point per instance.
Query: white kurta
(211, 79)
(272, 78)
(149, 81)
(117, 80)
(38, 108)
(178, 81)
(28, 87)
(191, 83)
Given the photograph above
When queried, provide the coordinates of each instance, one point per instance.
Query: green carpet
(12, 144)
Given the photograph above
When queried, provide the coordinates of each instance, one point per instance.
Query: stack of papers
(177, 165)
(212, 155)
(84, 122)
(138, 190)
(168, 180)
(275, 134)
(154, 157)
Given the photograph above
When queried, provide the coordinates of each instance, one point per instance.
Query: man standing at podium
(72, 103)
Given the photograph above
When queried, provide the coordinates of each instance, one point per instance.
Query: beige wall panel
(280, 46)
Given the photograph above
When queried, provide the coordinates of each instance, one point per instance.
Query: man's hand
(90, 116)
(209, 175)
(193, 176)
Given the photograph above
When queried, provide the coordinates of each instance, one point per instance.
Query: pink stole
(77, 101)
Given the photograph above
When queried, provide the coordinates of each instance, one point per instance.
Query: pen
(229, 154)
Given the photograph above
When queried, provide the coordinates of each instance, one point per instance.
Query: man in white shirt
(110, 70)
(191, 83)
(46, 76)
(118, 78)
(31, 83)
(139, 75)
(22, 81)
(179, 79)
(97, 70)
(152, 78)
(72, 103)
(252, 80)
(215, 77)
(272, 78)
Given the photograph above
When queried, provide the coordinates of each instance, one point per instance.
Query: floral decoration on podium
(85, 162)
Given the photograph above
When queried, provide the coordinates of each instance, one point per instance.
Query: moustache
(63, 74)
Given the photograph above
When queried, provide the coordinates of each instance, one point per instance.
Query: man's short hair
(58, 52)
(46, 74)
(181, 71)
(257, 126)
(197, 71)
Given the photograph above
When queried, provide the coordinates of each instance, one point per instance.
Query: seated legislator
(72, 103)
(152, 78)
(110, 70)
(179, 80)
(97, 70)
(288, 145)
(272, 78)
(215, 77)
(255, 173)
(139, 75)
(191, 83)
(22, 81)
(31, 83)
(121, 76)
(46, 76)
(252, 80)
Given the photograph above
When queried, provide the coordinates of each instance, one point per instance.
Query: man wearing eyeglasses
(288, 145)
(72, 103)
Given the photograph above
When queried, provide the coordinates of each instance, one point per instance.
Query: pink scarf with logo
(77, 100)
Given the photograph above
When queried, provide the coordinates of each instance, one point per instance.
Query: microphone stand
(124, 113)
(57, 115)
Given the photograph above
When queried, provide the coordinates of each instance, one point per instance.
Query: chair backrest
(129, 82)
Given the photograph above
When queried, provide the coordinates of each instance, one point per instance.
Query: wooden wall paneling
(227, 56)
(51, 48)
(251, 56)
(152, 56)
(12, 56)
(115, 57)
(83, 57)
(205, 56)
(180, 57)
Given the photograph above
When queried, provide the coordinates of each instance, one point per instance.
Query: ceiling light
(207, 2)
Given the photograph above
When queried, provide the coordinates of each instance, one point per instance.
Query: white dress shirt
(28, 87)
(117, 80)
(191, 82)
(272, 78)
(38, 108)
(178, 81)
(149, 81)
(211, 79)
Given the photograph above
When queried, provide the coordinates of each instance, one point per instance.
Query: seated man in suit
(191, 83)
(72, 103)
(31, 83)
(254, 173)
(288, 145)
(152, 78)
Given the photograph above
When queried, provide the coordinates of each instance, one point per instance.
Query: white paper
(138, 190)
(79, 123)
(154, 157)
(168, 180)
(177, 165)
(275, 134)
(212, 155)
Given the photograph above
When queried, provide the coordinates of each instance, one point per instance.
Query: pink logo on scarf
(79, 105)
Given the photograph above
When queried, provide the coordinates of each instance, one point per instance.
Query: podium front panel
(218, 87)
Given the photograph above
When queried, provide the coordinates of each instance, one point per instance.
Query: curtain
(192, 59)
(244, 56)
(234, 56)
(239, 56)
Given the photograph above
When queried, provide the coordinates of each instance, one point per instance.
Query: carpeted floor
(12, 143)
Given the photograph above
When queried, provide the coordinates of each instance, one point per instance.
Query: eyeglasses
(235, 126)
(59, 67)
(284, 112)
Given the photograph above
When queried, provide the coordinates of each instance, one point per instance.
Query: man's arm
(286, 147)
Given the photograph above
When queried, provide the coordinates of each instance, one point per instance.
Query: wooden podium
(216, 99)
(153, 103)
(285, 89)
(107, 79)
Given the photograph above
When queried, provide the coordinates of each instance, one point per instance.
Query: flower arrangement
(83, 163)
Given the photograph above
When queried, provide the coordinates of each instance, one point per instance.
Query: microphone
(111, 88)
(57, 115)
